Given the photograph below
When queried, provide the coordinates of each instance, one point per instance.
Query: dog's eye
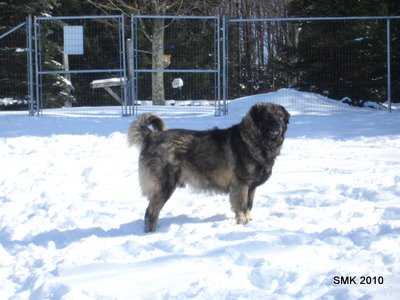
(275, 132)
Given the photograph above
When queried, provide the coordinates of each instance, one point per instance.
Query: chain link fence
(80, 64)
(351, 60)
(395, 60)
(14, 89)
(176, 61)
(112, 66)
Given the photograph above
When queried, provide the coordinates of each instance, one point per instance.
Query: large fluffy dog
(234, 160)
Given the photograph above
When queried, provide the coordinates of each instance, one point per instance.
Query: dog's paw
(149, 226)
(241, 218)
(248, 216)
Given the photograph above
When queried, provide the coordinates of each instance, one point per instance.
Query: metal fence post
(121, 74)
(218, 41)
(29, 64)
(136, 65)
(225, 64)
(129, 54)
(124, 84)
(221, 108)
(388, 57)
(217, 79)
(133, 46)
(37, 63)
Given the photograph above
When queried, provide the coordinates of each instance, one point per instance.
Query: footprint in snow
(391, 213)
(272, 280)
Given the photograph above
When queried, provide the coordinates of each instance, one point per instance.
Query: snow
(64, 81)
(115, 81)
(11, 101)
(71, 211)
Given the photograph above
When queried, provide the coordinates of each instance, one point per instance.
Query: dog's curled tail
(140, 128)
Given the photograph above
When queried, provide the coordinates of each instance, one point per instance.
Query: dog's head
(270, 119)
(266, 122)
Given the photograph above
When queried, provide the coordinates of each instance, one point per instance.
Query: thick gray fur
(234, 160)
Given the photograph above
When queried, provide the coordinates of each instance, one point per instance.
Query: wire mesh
(185, 51)
(196, 87)
(101, 44)
(83, 95)
(13, 71)
(395, 60)
(340, 59)
(343, 59)
(72, 53)
(193, 48)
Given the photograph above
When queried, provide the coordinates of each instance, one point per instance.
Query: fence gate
(80, 65)
(177, 60)
(16, 88)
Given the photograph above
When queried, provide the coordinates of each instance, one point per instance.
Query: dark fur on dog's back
(234, 160)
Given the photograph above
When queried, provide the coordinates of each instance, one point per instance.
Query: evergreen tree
(13, 56)
(345, 58)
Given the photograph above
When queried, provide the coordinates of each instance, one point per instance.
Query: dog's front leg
(250, 200)
(238, 196)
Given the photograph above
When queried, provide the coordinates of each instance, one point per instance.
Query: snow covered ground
(71, 211)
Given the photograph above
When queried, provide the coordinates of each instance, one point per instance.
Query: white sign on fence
(73, 40)
(177, 83)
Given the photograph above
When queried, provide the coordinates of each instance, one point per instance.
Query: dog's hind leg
(159, 197)
(156, 203)
(238, 196)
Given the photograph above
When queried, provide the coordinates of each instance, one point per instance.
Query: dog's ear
(257, 113)
(286, 114)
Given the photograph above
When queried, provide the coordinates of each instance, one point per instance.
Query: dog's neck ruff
(260, 151)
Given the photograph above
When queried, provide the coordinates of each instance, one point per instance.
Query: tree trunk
(158, 93)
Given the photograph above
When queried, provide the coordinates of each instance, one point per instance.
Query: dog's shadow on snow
(62, 239)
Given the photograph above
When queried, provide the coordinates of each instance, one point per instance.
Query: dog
(233, 161)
